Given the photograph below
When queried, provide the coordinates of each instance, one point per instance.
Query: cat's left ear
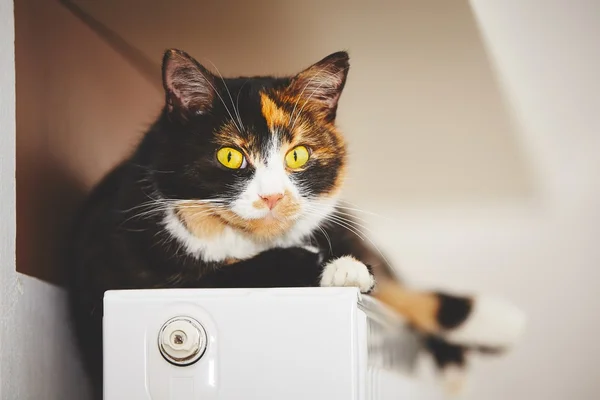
(321, 84)
(189, 87)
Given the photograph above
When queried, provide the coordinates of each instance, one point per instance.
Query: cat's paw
(349, 272)
(454, 381)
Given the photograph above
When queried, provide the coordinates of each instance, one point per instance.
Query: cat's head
(259, 154)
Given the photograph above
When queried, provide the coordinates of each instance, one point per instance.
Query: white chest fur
(231, 244)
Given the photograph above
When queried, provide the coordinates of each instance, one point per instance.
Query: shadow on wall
(423, 114)
(80, 109)
(47, 196)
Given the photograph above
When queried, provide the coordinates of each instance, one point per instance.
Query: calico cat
(237, 184)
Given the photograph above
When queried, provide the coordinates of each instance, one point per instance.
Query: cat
(237, 184)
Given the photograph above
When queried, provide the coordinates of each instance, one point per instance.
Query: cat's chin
(270, 218)
(271, 225)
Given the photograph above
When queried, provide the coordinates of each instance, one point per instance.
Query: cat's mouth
(205, 220)
(270, 224)
(272, 216)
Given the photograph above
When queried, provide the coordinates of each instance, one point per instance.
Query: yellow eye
(231, 158)
(297, 157)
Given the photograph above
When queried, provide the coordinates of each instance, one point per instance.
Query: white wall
(547, 55)
(544, 255)
(7, 188)
(36, 355)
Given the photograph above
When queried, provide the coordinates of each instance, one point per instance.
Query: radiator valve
(182, 341)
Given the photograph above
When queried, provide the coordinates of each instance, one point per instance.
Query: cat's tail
(454, 326)
(479, 323)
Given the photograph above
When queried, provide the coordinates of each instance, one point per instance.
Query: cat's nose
(272, 199)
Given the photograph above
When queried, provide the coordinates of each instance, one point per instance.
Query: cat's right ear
(189, 87)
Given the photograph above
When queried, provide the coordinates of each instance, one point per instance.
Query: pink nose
(272, 199)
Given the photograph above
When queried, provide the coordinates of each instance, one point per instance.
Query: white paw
(347, 271)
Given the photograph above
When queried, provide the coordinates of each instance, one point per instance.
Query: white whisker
(354, 228)
(222, 101)
(327, 238)
(236, 111)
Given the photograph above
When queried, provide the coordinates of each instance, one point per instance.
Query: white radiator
(238, 344)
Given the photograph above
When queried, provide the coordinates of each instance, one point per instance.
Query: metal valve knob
(182, 341)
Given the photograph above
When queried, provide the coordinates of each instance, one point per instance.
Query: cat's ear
(321, 84)
(189, 87)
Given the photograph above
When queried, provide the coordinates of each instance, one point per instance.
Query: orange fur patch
(200, 219)
(259, 204)
(419, 308)
(262, 229)
(274, 114)
(204, 221)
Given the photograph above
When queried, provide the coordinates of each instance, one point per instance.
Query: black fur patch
(453, 310)
(444, 353)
